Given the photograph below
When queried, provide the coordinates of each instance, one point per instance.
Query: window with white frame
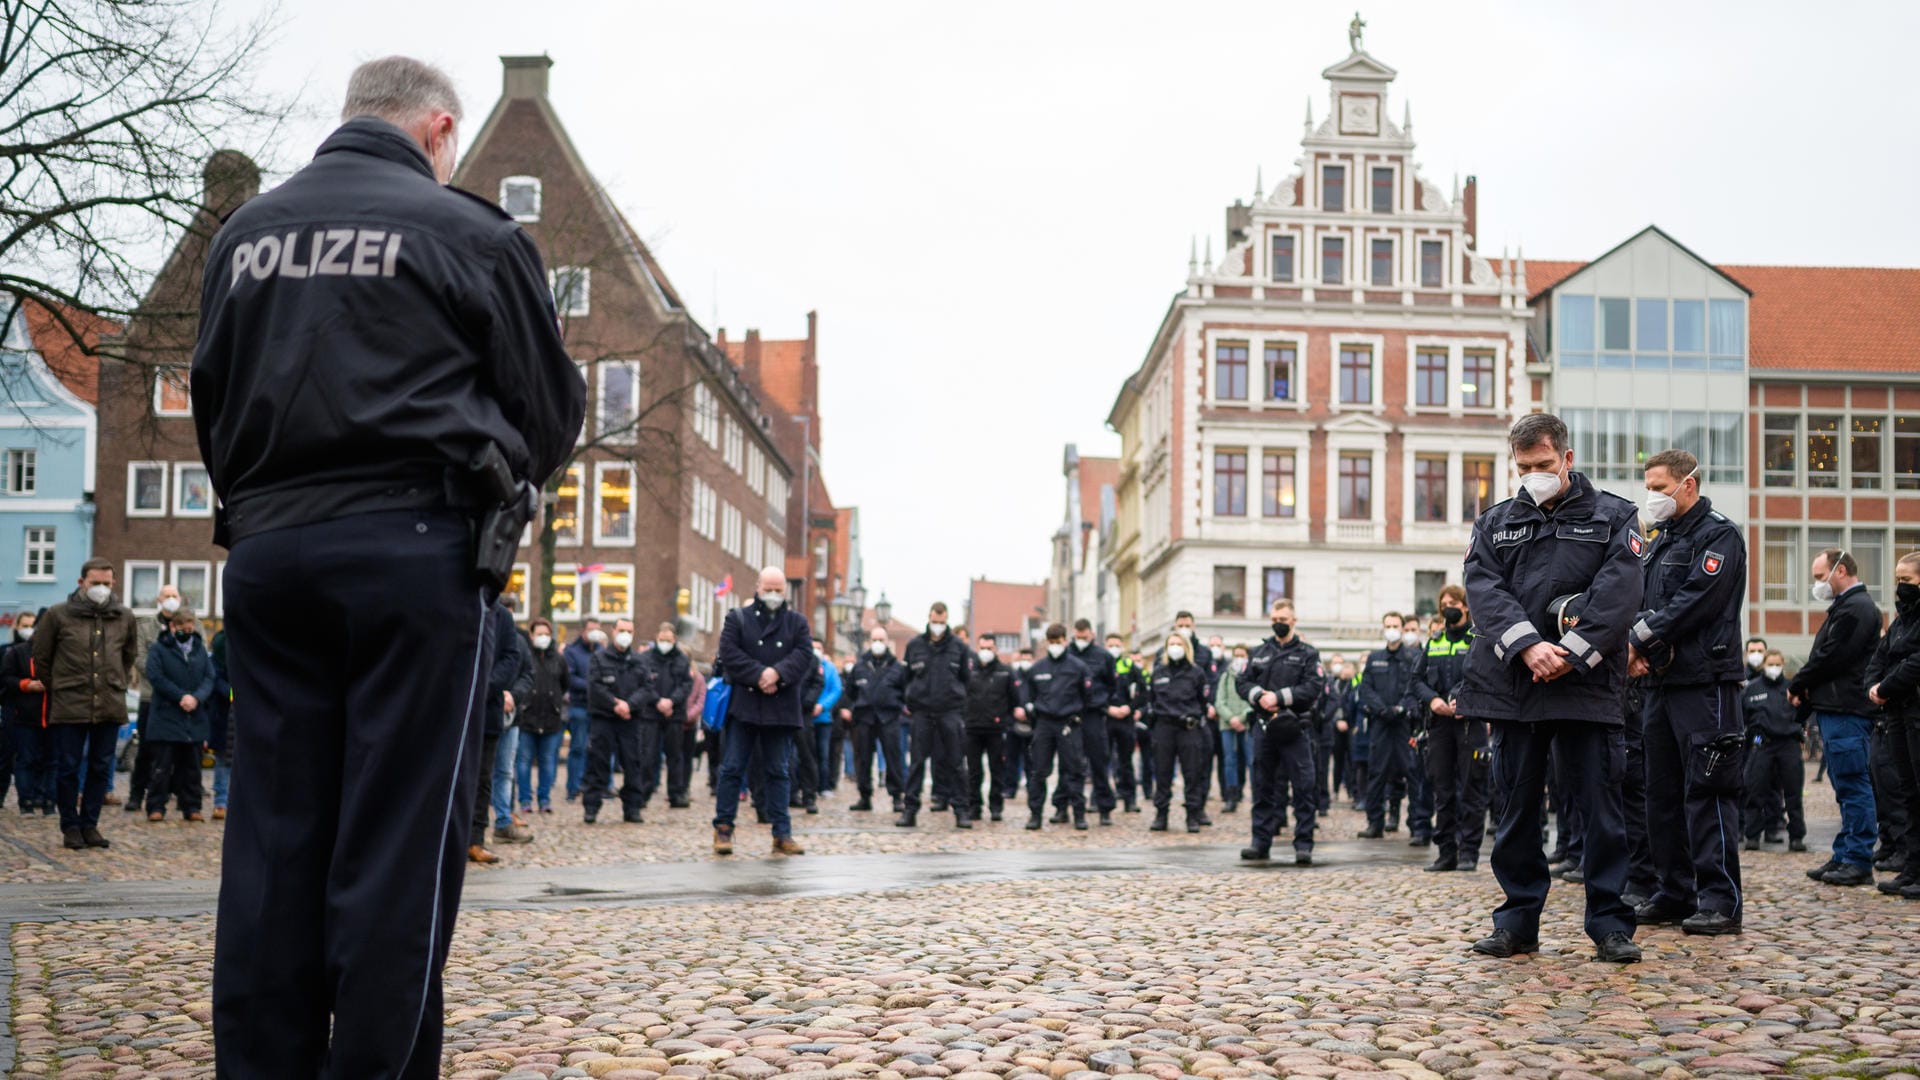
(613, 592)
(776, 489)
(755, 542)
(39, 548)
(195, 582)
(706, 415)
(520, 198)
(703, 508)
(22, 468)
(613, 502)
(142, 585)
(170, 395)
(192, 490)
(571, 286)
(563, 592)
(566, 506)
(756, 469)
(776, 553)
(147, 489)
(703, 601)
(619, 412)
(730, 521)
(517, 587)
(1281, 362)
(220, 589)
(735, 449)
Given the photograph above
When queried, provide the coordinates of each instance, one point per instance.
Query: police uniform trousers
(1122, 740)
(1775, 774)
(1019, 746)
(805, 786)
(1054, 737)
(622, 739)
(1903, 743)
(1323, 752)
(985, 750)
(935, 747)
(1889, 792)
(1282, 759)
(1186, 741)
(1570, 816)
(1457, 766)
(653, 737)
(1388, 759)
(352, 794)
(1093, 733)
(1642, 881)
(677, 744)
(1520, 760)
(1693, 791)
(868, 735)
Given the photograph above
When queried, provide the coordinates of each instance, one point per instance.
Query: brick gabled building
(1080, 587)
(1011, 615)
(1322, 411)
(678, 483)
(153, 498)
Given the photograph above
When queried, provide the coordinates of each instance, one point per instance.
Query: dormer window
(520, 197)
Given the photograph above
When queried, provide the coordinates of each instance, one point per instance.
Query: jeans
(85, 755)
(775, 748)
(823, 754)
(1845, 737)
(1233, 762)
(580, 736)
(542, 748)
(503, 758)
(222, 777)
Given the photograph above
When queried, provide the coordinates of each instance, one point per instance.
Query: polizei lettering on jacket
(320, 253)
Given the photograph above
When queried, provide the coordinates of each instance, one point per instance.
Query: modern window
(734, 449)
(143, 582)
(1426, 591)
(1476, 486)
(1650, 325)
(1278, 491)
(706, 520)
(1382, 191)
(1229, 590)
(170, 394)
(1380, 262)
(1280, 257)
(613, 592)
(1230, 371)
(1689, 326)
(1864, 453)
(1477, 379)
(566, 507)
(1823, 451)
(192, 490)
(195, 582)
(1869, 548)
(1652, 434)
(1282, 368)
(1779, 549)
(1356, 487)
(1230, 483)
(1727, 328)
(1277, 584)
(1430, 378)
(22, 472)
(1333, 187)
(1780, 439)
(1727, 449)
(1576, 324)
(520, 198)
(146, 489)
(1433, 264)
(572, 287)
(38, 562)
(1615, 324)
(1906, 453)
(821, 559)
(613, 502)
(1333, 260)
(1356, 375)
(1429, 487)
(706, 415)
(619, 401)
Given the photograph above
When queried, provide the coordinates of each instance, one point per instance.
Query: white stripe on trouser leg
(453, 788)
(1727, 843)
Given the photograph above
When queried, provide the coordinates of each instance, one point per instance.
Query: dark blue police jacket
(754, 639)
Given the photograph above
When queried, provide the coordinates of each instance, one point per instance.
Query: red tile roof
(72, 361)
(781, 371)
(1001, 607)
(1544, 274)
(1095, 473)
(1832, 318)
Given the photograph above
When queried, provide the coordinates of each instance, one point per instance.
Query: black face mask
(1452, 615)
(1282, 630)
(183, 636)
(1906, 594)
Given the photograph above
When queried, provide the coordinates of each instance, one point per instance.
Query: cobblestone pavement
(1219, 972)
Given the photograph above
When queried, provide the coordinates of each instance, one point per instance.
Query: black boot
(993, 812)
(1371, 832)
(960, 819)
(1106, 817)
(1160, 823)
(1193, 823)
(1033, 822)
(1132, 806)
(1080, 820)
(1060, 815)
(865, 803)
(907, 819)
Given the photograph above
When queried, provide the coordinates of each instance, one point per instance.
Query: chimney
(1471, 204)
(750, 357)
(526, 76)
(722, 339)
(231, 178)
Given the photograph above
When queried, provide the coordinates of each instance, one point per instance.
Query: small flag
(725, 588)
(584, 573)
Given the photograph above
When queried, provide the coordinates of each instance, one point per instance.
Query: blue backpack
(713, 714)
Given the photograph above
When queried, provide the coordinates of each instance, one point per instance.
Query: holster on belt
(507, 505)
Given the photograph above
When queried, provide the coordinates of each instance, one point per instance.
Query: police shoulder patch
(1635, 542)
(1711, 562)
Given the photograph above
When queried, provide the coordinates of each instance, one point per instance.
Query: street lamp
(883, 610)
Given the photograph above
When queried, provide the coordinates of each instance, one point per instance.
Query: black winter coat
(1696, 583)
(1442, 668)
(509, 655)
(669, 677)
(1292, 672)
(1764, 705)
(1834, 678)
(540, 697)
(618, 676)
(991, 697)
(1896, 665)
(1060, 689)
(1107, 688)
(753, 639)
(937, 673)
(876, 690)
(22, 707)
(1178, 690)
(1386, 682)
(174, 675)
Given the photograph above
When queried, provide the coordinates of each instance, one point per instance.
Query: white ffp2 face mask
(99, 594)
(1823, 592)
(1541, 487)
(1392, 637)
(1056, 650)
(622, 640)
(1176, 652)
(877, 648)
(1773, 671)
(986, 656)
(773, 600)
(541, 641)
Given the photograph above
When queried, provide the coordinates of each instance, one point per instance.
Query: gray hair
(1535, 428)
(398, 89)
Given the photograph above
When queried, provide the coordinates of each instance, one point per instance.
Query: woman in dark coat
(1893, 683)
(541, 701)
(181, 672)
(23, 697)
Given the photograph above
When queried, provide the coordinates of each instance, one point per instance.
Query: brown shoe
(113, 798)
(156, 816)
(723, 839)
(786, 845)
(478, 854)
(219, 813)
(195, 817)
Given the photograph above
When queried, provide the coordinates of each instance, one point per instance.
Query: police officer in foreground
(378, 388)
(1282, 683)
(1457, 757)
(1687, 641)
(1055, 693)
(1547, 670)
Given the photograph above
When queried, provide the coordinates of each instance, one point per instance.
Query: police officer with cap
(1687, 642)
(379, 390)
(1547, 675)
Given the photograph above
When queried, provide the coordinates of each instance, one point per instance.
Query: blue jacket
(174, 675)
(579, 656)
(831, 695)
(510, 652)
(754, 639)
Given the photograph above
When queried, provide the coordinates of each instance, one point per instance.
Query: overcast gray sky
(990, 204)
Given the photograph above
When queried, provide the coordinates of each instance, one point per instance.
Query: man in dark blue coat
(766, 655)
(579, 656)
